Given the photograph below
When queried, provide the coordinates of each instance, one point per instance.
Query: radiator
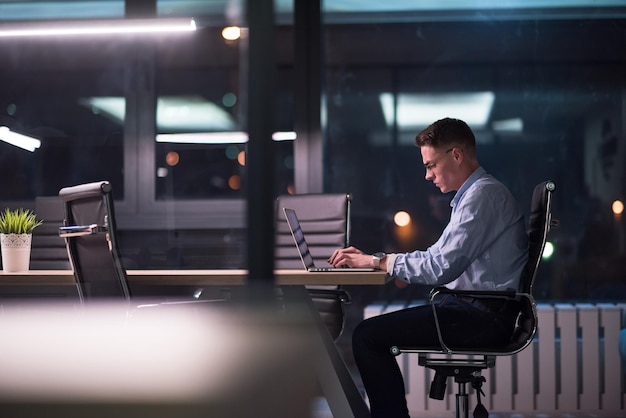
(572, 366)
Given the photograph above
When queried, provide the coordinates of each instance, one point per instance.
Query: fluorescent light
(174, 113)
(97, 27)
(417, 111)
(193, 113)
(204, 138)
(284, 136)
(218, 137)
(209, 123)
(514, 125)
(22, 141)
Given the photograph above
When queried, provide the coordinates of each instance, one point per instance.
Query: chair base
(463, 371)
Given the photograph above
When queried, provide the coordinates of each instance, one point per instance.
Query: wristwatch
(376, 257)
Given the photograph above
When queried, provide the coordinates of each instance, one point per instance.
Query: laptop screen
(298, 236)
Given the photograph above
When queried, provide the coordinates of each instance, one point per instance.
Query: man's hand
(351, 257)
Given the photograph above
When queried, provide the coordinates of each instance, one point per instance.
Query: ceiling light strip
(22, 141)
(235, 137)
(97, 27)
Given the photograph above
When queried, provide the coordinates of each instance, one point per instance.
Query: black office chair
(90, 235)
(325, 220)
(91, 240)
(48, 251)
(467, 368)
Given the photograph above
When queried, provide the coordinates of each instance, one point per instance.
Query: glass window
(200, 144)
(201, 138)
(20, 10)
(541, 109)
(79, 140)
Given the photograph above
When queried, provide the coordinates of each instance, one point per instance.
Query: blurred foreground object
(108, 360)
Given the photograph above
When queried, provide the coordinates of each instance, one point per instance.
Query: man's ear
(457, 154)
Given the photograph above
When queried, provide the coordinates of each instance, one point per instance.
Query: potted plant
(16, 232)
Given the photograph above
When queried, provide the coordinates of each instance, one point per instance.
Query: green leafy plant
(18, 221)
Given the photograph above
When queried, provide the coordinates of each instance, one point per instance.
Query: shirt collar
(467, 184)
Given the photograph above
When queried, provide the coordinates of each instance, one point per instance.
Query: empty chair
(467, 369)
(48, 250)
(92, 244)
(325, 220)
(91, 240)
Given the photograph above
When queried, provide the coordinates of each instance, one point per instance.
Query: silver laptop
(303, 247)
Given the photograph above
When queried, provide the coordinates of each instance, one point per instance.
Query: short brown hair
(446, 132)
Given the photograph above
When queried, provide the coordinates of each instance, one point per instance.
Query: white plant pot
(15, 252)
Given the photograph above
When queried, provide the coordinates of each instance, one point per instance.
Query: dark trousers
(466, 323)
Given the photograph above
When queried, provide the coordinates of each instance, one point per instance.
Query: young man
(483, 247)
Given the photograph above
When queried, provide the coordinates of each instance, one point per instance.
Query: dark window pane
(541, 109)
(81, 135)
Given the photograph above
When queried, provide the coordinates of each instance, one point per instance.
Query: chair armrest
(81, 230)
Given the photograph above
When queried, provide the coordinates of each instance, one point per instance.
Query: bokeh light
(402, 218)
(241, 158)
(548, 250)
(231, 33)
(617, 207)
(229, 99)
(232, 152)
(11, 109)
(234, 182)
(172, 158)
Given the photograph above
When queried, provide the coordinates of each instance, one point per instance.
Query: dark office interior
(543, 87)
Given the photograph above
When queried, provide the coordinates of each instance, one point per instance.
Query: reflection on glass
(79, 143)
(540, 110)
(199, 117)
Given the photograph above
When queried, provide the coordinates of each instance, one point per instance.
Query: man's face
(440, 168)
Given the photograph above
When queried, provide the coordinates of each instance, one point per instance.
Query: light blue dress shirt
(483, 247)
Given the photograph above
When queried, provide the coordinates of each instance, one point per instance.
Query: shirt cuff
(391, 261)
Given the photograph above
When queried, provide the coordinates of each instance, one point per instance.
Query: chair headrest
(85, 191)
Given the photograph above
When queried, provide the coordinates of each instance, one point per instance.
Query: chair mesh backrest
(95, 258)
(324, 218)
